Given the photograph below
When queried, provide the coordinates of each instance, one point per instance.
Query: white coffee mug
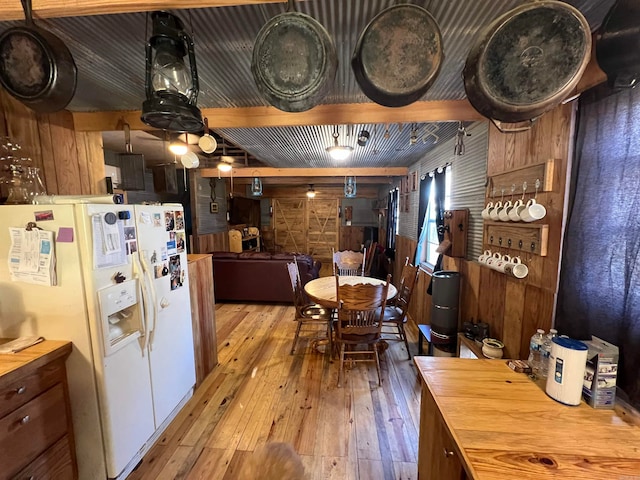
(485, 256)
(487, 211)
(533, 211)
(495, 213)
(514, 213)
(493, 259)
(498, 265)
(503, 216)
(516, 268)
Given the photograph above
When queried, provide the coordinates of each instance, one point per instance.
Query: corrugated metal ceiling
(109, 52)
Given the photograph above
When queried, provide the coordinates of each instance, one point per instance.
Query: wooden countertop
(506, 427)
(34, 356)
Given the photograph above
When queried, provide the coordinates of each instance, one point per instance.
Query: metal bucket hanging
(294, 61)
(527, 61)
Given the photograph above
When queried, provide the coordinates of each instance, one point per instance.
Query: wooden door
(323, 227)
(290, 224)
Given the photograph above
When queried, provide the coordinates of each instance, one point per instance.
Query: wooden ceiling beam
(328, 114)
(338, 181)
(306, 172)
(80, 8)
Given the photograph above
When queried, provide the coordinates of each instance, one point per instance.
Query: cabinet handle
(447, 453)
(24, 420)
(21, 390)
(31, 478)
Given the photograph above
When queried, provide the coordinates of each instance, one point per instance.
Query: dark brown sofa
(258, 276)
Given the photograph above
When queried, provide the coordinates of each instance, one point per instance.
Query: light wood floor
(260, 393)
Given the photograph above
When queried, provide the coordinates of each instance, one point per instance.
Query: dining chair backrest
(369, 258)
(408, 279)
(360, 308)
(349, 262)
(296, 284)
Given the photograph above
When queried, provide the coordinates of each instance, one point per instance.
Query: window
(428, 241)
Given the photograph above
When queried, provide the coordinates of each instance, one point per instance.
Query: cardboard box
(599, 387)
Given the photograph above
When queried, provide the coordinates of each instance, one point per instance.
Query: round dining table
(323, 290)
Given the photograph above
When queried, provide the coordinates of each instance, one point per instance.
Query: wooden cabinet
(36, 435)
(203, 314)
(438, 457)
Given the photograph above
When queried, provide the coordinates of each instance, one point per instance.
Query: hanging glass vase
(34, 184)
(18, 193)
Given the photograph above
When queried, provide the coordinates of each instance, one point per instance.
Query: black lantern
(171, 86)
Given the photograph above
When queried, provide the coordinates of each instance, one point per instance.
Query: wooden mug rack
(511, 183)
(532, 238)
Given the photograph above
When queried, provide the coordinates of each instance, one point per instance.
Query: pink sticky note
(65, 234)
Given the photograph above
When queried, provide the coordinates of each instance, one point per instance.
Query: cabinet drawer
(54, 464)
(31, 429)
(16, 393)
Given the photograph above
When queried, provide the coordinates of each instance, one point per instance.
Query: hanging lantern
(350, 187)
(171, 86)
(256, 187)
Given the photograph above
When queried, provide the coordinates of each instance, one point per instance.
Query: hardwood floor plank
(213, 463)
(259, 393)
(405, 470)
(371, 470)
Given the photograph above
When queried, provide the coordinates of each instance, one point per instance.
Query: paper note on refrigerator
(32, 256)
(107, 243)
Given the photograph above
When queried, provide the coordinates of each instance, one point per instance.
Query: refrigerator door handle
(154, 299)
(140, 275)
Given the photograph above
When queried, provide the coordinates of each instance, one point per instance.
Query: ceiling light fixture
(171, 87)
(178, 148)
(414, 135)
(311, 193)
(224, 166)
(363, 138)
(337, 151)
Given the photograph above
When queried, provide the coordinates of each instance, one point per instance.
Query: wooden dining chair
(369, 258)
(395, 314)
(307, 314)
(360, 313)
(349, 262)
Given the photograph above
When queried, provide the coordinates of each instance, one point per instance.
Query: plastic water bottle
(545, 351)
(535, 347)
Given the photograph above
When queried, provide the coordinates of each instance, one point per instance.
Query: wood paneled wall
(71, 163)
(513, 308)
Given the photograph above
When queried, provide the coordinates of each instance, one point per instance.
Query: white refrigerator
(119, 291)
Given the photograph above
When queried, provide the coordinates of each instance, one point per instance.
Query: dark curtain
(599, 292)
(439, 185)
(392, 208)
(423, 202)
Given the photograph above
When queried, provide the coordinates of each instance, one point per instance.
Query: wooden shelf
(530, 173)
(523, 237)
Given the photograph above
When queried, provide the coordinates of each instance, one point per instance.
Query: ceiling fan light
(178, 148)
(311, 193)
(339, 152)
(224, 167)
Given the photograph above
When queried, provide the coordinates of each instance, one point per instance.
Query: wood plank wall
(513, 308)
(71, 163)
